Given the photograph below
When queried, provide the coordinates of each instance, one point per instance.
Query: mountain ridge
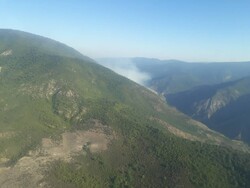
(168, 77)
(216, 105)
(68, 120)
(35, 43)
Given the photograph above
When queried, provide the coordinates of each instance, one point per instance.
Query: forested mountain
(223, 107)
(66, 121)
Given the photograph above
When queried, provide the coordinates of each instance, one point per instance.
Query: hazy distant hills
(66, 121)
(223, 107)
(171, 76)
(175, 76)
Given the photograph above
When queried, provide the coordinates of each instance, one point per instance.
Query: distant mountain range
(216, 94)
(172, 76)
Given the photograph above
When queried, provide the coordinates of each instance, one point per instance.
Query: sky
(188, 30)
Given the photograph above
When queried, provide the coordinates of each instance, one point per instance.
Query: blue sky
(191, 30)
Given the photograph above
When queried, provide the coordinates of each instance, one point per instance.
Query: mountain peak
(11, 39)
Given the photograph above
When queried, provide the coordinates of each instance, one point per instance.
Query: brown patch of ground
(28, 171)
(176, 131)
(73, 143)
(198, 124)
(8, 134)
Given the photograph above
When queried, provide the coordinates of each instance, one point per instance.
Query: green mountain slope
(223, 107)
(22, 43)
(68, 122)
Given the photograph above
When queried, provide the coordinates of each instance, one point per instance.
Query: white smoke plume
(126, 68)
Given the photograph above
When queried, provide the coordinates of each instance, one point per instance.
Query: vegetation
(44, 94)
(144, 156)
(223, 107)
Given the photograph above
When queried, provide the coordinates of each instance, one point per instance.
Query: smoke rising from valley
(126, 68)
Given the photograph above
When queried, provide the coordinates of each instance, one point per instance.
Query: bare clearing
(6, 135)
(28, 171)
(176, 131)
(6, 53)
(73, 142)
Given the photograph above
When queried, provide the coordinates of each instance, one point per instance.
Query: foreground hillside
(68, 122)
(223, 107)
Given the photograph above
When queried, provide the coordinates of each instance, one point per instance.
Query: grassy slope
(44, 95)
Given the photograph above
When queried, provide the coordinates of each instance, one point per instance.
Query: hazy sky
(192, 30)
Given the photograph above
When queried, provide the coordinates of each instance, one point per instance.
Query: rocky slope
(223, 107)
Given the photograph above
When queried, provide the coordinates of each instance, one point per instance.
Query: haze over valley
(216, 94)
(168, 108)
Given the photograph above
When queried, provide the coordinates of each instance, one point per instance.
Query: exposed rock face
(207, 107)
(44, 90)
(66, 103)
(223, 107)
(6, 53)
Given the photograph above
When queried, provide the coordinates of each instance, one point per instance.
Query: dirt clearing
(28, 171)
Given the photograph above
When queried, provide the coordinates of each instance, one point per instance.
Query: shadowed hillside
(223, 107)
